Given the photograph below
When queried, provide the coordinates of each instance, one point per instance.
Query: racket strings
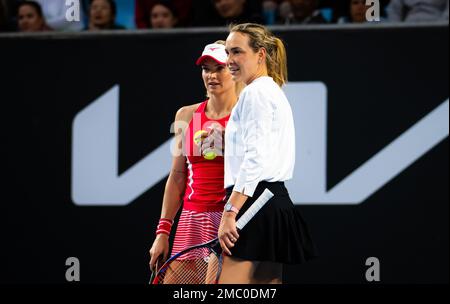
(201, 265)
(197, 266)
(188, 272)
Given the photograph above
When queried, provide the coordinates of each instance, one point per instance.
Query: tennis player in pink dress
(196, 181)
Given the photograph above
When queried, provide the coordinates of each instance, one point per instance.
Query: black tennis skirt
(277, 233)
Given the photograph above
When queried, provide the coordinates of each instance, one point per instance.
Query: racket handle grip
(254, 208)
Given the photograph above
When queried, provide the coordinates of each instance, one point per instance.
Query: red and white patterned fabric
(204, 178)
(195, 228)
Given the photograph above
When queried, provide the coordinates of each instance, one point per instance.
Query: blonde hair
(260, 37)
(239, 85)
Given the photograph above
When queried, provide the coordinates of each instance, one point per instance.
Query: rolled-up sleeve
(256, 123)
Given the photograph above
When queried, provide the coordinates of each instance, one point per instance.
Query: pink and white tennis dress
(204, 196)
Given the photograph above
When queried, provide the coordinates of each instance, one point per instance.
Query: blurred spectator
(30, 17)
(224, 12)
(6, 15)
(270, 8)
(356, 12)
(163, 15)
(277, 12)
(286, 16)
(332, 10)
(55, 14)
(237, 11)
(417, 10)
(204, 14)
(340, 10)
(301, 12)
(102, 16)
(143, 10)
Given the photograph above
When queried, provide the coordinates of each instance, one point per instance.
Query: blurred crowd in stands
(51, 15)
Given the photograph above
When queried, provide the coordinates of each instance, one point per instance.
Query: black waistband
(277, 188)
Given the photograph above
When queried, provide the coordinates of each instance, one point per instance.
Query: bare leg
(268, 273)
(211, 272)
(192, 272)
(238, 271)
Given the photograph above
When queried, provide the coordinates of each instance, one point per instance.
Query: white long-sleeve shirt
(259, 138)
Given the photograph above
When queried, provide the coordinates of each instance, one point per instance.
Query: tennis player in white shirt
(260, 154)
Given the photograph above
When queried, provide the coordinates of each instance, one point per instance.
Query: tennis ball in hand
(198, 136)
(210, 155)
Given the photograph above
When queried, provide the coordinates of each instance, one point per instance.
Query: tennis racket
(202, 264)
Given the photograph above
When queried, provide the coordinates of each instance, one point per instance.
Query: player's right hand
(215, 139)
(227, 233)
(159, 251)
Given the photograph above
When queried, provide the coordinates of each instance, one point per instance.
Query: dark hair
(37, 7)
(113, 6)
(167, 4)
